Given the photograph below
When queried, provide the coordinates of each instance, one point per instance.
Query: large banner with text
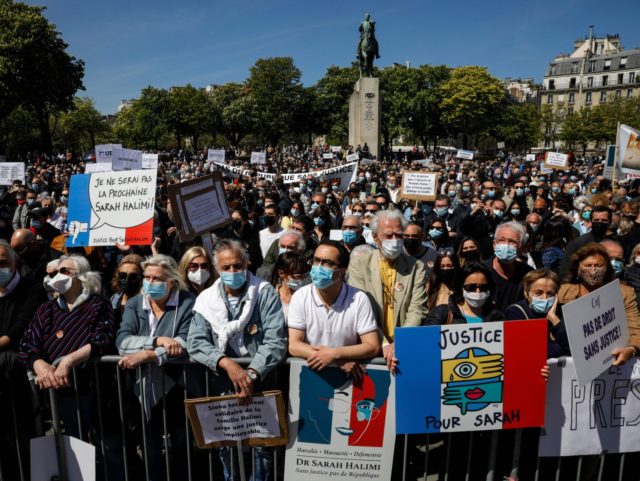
(470, 377)
(338, 428)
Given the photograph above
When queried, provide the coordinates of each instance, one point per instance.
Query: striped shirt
(55, 331)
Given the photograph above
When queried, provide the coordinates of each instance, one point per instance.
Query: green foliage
(237, 109)
(191, 113)
(520, 126)
(332, 96)
(79, 128)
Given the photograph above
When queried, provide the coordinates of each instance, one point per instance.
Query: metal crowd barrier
(490, 455)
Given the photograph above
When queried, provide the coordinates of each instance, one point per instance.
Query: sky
(129, 44)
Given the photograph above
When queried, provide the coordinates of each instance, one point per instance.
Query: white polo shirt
(349, 317)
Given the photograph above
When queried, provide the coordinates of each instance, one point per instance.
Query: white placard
(353, 158)
(126, 159)
(601, 417)
(500, 145)
(229, 420)
(258, 157)
(149, 161)
(10, 171)
(336, 149)
(216, 155)
(419, 184)
(97, 167)
(465, 154)
(327, 156)
(556, 160)
(596, 324)
(104, 152)
(530, 157)
(335, 234)
(628, 149)
(80, 457)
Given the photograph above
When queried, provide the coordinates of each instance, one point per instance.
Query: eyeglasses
(357, 210)
(52, 274)
(194, 266)
(131, 276)
(324, 263)
(476, 287)
(66, 270)
(371, 211)
(350, 227)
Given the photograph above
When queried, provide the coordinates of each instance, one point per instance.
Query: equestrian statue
(367, 46)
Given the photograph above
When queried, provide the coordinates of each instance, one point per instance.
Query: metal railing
(488, 455)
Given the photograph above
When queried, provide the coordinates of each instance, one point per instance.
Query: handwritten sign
(596, 324)
(419, 185)
(258, 157)
(149, 161)
(10, 171)
(216, 155)
(465, 154)
(556, 160)
(109, 208)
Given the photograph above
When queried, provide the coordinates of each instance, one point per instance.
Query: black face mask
(269, 220)
(130, 285)
(471, 256)
(412, 245)
(447, 275)
(237, 224)
(599, 229)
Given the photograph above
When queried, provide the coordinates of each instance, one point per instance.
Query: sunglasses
(67, 271)
(52, 274)
(476, 287)
(194, 266)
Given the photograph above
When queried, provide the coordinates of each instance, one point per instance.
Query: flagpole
(615, 156)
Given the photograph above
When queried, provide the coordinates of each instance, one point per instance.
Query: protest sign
(556, 160)
(530, 157)
(340, 430)
(345, 173)
(465, 154)
(10, 171)
(335, 234)
(419, 185)
(601, 417)
(149, 161)
(216, 155)
(258, 157)
(470, 377)
(336, 149)
(327, 156)
(92, 168)
(628, 142)
(596, 324)
(353, 158)
(126, 159)
(104, 152)
(225, 420)
(233, 171)
(199, 206)
(611, 166)
(500, 145)
(108, 208)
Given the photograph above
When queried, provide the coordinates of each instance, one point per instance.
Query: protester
(126, 283)
(290, 274)
(196, 270)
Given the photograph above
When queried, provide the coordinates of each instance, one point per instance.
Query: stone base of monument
(364, 114)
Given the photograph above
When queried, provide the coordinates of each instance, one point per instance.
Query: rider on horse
(367, 46)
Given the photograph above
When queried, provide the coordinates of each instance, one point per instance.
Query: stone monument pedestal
(364, 114)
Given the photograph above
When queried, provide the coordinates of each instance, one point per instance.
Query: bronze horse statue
(367, 47)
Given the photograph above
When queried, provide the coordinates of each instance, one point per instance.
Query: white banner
(149, 161)
(601, 417)
(237, 171)
(10, 171)
(339, 430)
(258, 157)
(126, 159)
(465, 154)
(104, 152)
(596, 324)
(216, 155)
(346, 173)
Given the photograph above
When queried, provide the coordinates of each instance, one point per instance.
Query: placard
(225, 420)
(149, 161)
(556, 160)
(353, 158)
(126, 159)
(258, 157)
(336, 149)
(80, 458)
(465, 154)
(470, 377)
(104, 152)
(199, 206)
(611, 167)
(92, 168)
(216, 155)
(109, 208)
(419, 185)
(340, 430)
(335, 235)
(501, 145)
(596, 324)
(601, 417)
(327, 156)
(10, 171)
(628, 140)
(530, 157)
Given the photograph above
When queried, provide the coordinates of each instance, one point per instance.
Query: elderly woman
(154, 329)
(196, 270)
(589, 270)
(240, 315)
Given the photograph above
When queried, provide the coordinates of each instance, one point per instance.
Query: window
(552, 70)
(607, 65)
(592, 65)
(632, 77)
(589, 81)
(618, 94)
(603, 96)
(574, 67)
(549, 99)
(588, 98)
(552, 84)
(605, 80)
(570, 110)
(629, 93)
(572, 83)
(620, 78)
(572, 98)
(623, 62)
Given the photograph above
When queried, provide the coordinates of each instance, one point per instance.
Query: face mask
(335, 188)
(472, 179)
(412, 245)
(129, 285)
(586, 215)
(617, 266)
(155, 290)
(599, 229)
(260, 202)
(295, 284)
(519, 192)
(309, 182)
(322, 277)
(360, 179)
(555, 190)
(637, 260)
(466, 188)
(367, 175)
(471, 256)
(543, 178)
(446, 275)
(441, 211)
(473, 206)
(329, 201)
(36, 224)
(581, 205)
(318, 221)
(541, 306)
(476, 299)
(391, 248)
(295, 212)
(506, 253)
(199, 277)
(61, 283)
(515, 212)
(534, 227)
(324, 190)
(303, 187)
(491, 194)
(314, 206)
(269, 220)
(452, 193)
(435, 233)
(572, 191)
(592, 276)
(233, 280)
(5, 276)
(349, 237)
(236, 224)
(31, 202)
(391, 185)
(594, 190)
(47, 284)
(498, 213)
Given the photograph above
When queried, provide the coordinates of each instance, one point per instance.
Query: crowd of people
(305, 269)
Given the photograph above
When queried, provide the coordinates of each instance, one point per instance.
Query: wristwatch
(253, 375)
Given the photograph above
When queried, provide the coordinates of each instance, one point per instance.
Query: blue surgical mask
(282, 250)
(234, 280)
(349, 237)
(155, 290)
(541, 306)
(572, 191)
(519, 192)
(452, 193)
(295, 212)
(435, 233)
(594, 190)
(295, 284)
(515, 212)
(555, 189)
(36, 224)
(314, 206)
(441, 211)
(492, 194)
(322, 277)
(617, 265)
(466, 188)
(506, 253)
(5, 276)
(318, 221)
(586, 215)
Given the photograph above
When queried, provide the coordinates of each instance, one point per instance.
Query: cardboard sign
(199, 206)
(10, 171)
(601, 417)
(628, 140)
(336, 149)
(327, 156)
(224, 420)
(465, 154)
(258, 157)
(340, 430)
(97, 167)
(216, 155)
(556, 160)
(596, 324)
(353, 158)
(501, 145)
(419, 185)
(150, 161)
(109, 208)
(126, 159)
(470, 377)
(104, 152)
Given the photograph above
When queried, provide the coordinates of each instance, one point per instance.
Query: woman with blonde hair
(196, 269)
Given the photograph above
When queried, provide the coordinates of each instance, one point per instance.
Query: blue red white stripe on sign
(470, 377)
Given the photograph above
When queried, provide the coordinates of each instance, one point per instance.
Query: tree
(191, 113)
(576, 130)
(332, 97)
(237, 110)
(36, 72)
(79, 127)
(520, 126)
(471, 101)
(275, 86)
(151, 112)
(551, 121)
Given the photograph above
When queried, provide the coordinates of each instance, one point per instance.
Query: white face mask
(199, 277)
(391, 248)
(61, 283)
(476, 299)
